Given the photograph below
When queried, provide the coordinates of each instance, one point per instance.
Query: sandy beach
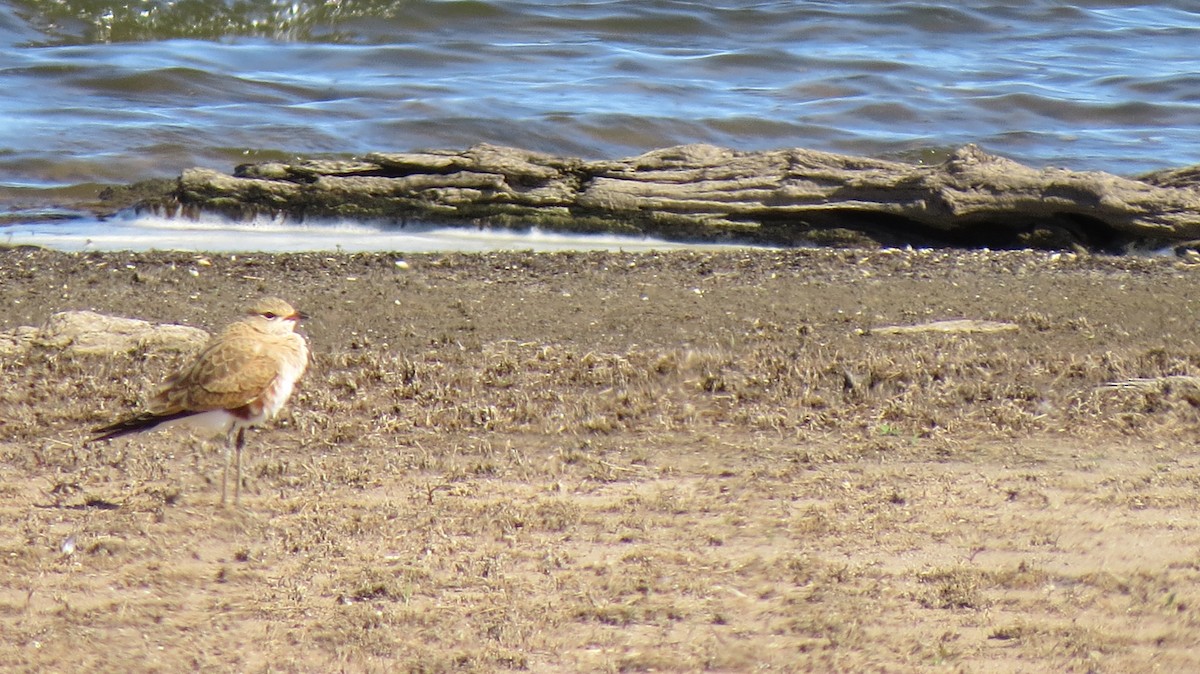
(620, 462)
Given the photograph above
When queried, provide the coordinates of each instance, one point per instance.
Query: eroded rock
(91, 333)
(703, 192)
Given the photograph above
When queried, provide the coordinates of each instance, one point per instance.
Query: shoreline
(216, 234)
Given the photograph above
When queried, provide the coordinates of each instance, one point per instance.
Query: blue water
(99, 93)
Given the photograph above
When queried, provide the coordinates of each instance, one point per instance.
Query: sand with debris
(619, 462)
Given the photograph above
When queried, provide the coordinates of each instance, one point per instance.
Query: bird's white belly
(213, 422)
(281, 389)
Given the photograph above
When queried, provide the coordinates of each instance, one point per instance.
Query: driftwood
(958, 326)
(702, 192)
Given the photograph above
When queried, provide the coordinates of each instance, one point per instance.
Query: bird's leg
(225, 473)
(237, 487)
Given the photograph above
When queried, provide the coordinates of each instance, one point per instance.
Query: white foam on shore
(213, 233)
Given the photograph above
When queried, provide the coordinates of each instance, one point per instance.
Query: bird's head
(276, 312)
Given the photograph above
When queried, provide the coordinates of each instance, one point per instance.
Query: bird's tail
(142, 422)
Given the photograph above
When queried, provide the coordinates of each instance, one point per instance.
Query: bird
(241, 378)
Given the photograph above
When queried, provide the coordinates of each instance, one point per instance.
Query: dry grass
(524, 467)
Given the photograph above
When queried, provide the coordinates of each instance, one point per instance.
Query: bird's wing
(142, 422)
(230, 372)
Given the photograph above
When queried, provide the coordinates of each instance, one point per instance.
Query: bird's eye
(270, 316)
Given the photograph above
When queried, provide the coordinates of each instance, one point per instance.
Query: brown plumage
(242, 378)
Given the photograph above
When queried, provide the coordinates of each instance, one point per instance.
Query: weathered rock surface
(89, 333)
(702, 192)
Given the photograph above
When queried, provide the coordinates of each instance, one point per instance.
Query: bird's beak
(299, 316)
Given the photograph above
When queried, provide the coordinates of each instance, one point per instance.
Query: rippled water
(97, 92)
